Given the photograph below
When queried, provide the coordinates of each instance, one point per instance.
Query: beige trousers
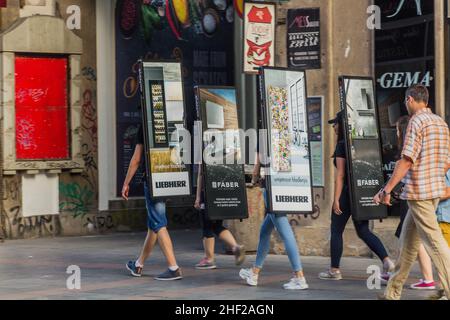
(420, 226)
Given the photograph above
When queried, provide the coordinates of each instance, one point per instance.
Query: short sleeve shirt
(443, 211)
(427, 144)
(340, 152)
(140, 136)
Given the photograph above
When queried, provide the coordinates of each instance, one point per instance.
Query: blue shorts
(156, 219)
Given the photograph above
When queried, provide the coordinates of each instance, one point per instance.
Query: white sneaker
(249, 276)
(296, 284)
(329, 275)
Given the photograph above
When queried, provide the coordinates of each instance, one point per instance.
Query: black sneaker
(135, 271)
(170, 275)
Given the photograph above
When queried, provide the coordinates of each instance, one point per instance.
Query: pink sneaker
(384, 278)
(423, 285)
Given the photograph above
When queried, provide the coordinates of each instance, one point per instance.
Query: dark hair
(402, 125)
(419, 93)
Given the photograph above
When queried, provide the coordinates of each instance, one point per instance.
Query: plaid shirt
(427, 144)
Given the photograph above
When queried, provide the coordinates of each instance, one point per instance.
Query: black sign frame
(265, 125)
(210, 209)
(381, 212)
(145, 118)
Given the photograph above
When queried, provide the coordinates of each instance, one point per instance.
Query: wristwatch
(383, 192)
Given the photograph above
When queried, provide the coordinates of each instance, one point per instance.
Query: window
(298, 115)
(42, 112)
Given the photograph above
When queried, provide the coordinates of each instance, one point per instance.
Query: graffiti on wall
(14, 224)
(77, 198)
(294, 220)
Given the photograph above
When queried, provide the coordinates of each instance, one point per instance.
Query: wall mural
(198, 33)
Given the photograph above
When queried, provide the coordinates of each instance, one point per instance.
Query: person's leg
(149, 244)
(374, 243)
(158, 224)
(165, 243)
(135, 267)
(425, 264)
(264, 243)
(227, 237)
(208, 245)
(338, 223)
(251, 275)
(284, 228)
(409, 248)
(424, 213)
(208, 237)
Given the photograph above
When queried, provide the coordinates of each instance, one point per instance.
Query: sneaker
(135, 271)
(329, 275)
(423, 285)
(296, 284)
(170, 275)
(249, 276)
(239, 254)
(205, 264)
(384, 278)
(388, 266)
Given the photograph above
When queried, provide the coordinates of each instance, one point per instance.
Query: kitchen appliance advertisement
(364, 157)
(259, 36)
(224, 177)
(164, 124)
(285, 114)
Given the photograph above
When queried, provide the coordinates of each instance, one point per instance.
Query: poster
(224, 177)
(303, 38)
(259, 36)
(364, 165)
(315, 116)
(195, 33)
(283, 97)
(164, 118)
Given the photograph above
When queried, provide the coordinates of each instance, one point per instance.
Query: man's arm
(132, 169)
(401, 169)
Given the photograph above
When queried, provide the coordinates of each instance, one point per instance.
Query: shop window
(404, 55)
(42, 113)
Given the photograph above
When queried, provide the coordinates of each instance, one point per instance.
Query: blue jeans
(282, 225)
(156, 212)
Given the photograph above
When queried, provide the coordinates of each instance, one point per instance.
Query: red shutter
(42, 131)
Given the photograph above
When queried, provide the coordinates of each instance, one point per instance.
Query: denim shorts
(156, 219)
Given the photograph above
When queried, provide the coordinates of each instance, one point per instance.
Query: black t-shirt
(140, 136)
(340, 153)
(140, 140)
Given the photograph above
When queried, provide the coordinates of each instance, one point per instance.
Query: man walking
(422, 167)
(157, 223)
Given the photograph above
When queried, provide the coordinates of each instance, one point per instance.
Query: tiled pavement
(36, 269)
